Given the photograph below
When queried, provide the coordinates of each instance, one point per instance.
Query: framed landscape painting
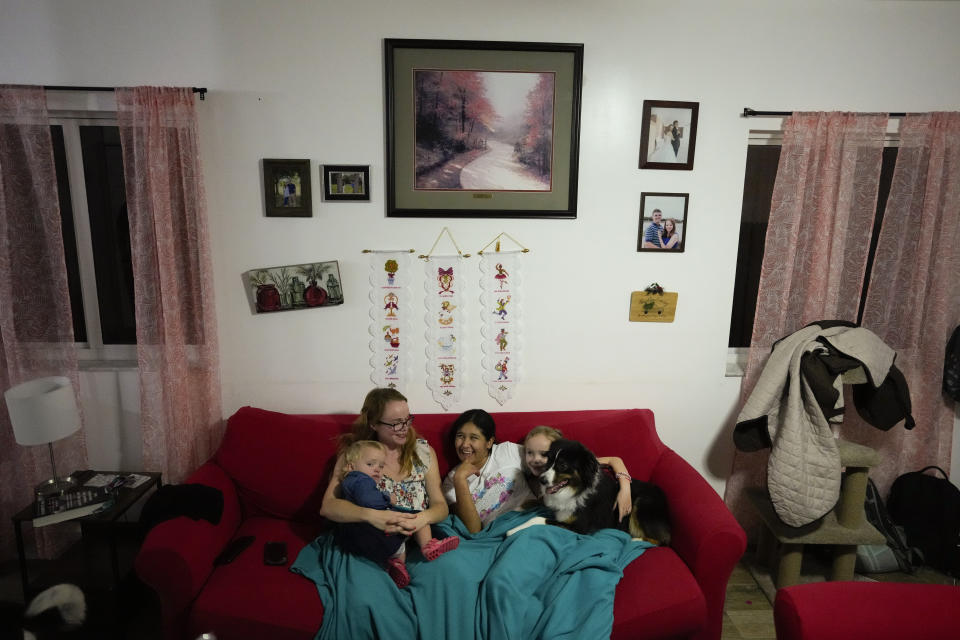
(482, 129)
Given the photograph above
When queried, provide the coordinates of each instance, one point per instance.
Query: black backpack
(928, 508)
(896, 554)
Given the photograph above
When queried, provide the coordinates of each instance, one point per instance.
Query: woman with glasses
(410, 475)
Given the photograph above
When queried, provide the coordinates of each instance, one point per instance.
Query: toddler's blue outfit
(362, 538)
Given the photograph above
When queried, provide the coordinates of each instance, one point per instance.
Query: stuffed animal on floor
(52, 614)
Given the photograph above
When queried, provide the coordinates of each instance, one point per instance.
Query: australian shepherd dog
(583, 497)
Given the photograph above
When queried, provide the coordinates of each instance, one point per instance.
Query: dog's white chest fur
(563, 503)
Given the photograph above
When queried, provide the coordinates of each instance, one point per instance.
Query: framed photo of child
(346, 182)
(286, 188)
(663, 222)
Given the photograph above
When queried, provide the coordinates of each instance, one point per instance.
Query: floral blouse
(411, 492)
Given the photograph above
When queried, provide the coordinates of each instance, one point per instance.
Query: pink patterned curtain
(36, 325)
(821, 216)
(913, 302)
(173, 281)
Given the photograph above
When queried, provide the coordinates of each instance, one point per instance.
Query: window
(758, 181)
(96, 234)
(763, 155)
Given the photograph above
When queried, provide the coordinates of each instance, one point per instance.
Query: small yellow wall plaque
(653, 307)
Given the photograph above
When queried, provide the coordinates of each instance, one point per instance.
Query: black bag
(928, 508)
(896, 554)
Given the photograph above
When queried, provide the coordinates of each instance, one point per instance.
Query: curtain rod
(748, 112)
(58, 87)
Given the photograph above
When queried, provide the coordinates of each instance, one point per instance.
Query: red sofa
(273, 468)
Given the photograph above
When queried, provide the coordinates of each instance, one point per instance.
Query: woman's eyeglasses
(398, 426)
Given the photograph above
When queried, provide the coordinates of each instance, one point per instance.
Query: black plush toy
(52, 614)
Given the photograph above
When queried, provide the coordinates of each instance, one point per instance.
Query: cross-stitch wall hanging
(443, 286)
(500, 309)
(390, 314)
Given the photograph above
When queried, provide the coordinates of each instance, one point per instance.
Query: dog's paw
(529, 523)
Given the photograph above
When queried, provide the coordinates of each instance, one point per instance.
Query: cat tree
(844, 528)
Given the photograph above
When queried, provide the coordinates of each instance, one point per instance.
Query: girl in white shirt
(489, 480)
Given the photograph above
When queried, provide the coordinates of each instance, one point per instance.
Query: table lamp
(43, 411)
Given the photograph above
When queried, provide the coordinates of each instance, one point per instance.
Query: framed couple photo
(669, 134)
(663, 222)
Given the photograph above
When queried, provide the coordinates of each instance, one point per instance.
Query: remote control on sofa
(233, 549)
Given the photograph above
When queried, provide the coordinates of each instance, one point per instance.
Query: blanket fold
(544, 582)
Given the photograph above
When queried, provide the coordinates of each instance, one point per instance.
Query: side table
(105, 521)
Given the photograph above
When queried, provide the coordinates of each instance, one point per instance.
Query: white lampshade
(42, 410)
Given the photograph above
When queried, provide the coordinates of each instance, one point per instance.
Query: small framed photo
(346, 182)
(286, 188)
(669, 134)
(663, 222)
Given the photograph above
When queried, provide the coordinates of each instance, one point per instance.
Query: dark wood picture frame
(286, 188)
(346, 182)
(672, 206)
(427, 155)
(668, 137)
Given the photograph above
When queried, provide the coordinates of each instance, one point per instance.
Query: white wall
(293, 79)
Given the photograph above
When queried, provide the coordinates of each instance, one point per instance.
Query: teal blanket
(544, 582)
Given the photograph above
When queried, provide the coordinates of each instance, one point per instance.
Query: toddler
(363, 468)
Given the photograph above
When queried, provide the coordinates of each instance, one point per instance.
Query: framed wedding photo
(669, 134)
(286, 188)
(481, 129)
(348, 182)
(663, 222)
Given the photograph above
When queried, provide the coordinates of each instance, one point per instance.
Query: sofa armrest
(176, 557)
(705, 534)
